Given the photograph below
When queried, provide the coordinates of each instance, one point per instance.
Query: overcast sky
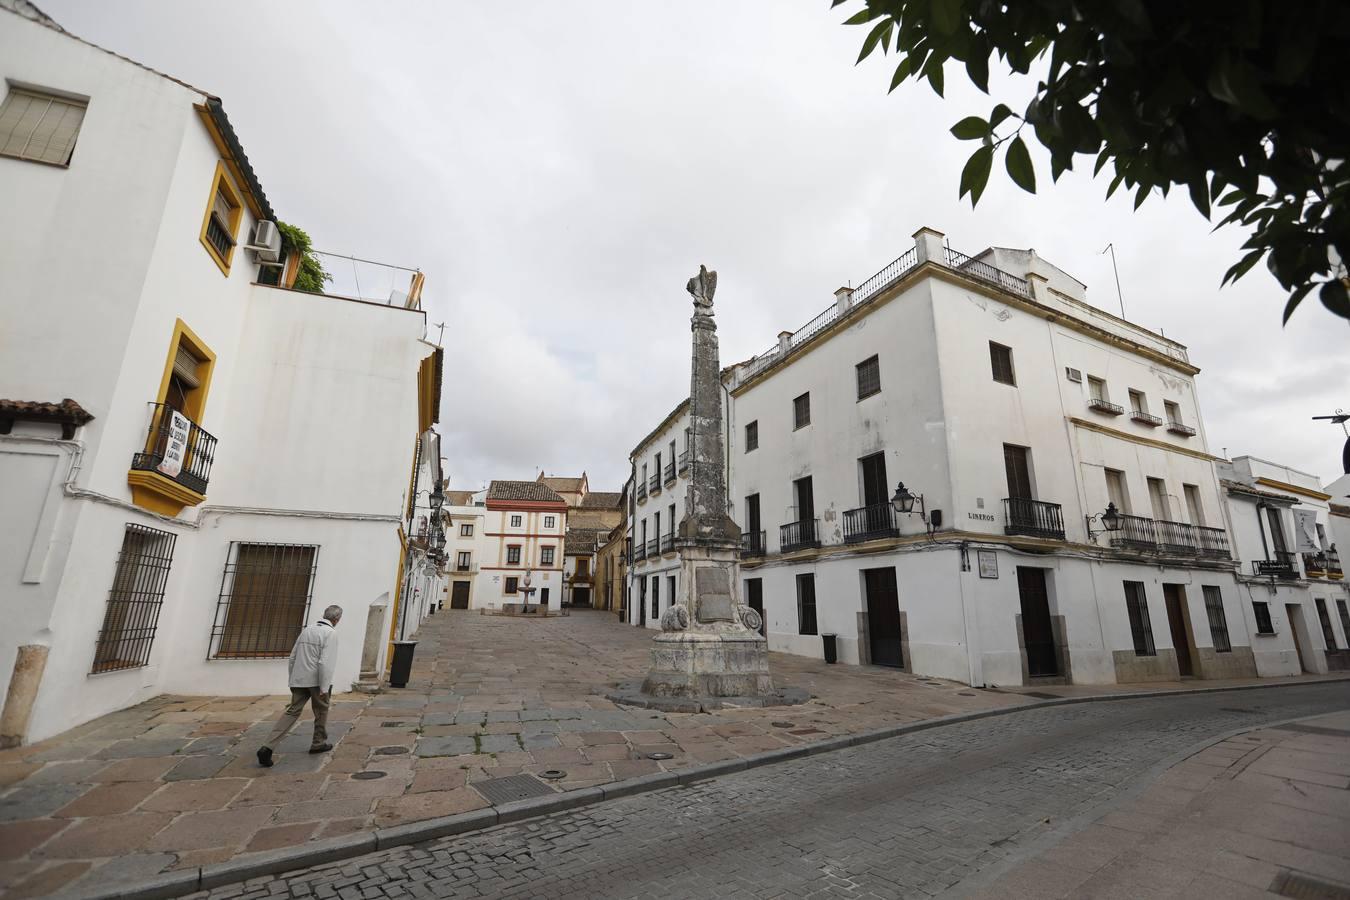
(560, 171)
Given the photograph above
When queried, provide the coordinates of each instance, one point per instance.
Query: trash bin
(401, 669)
(831, 648)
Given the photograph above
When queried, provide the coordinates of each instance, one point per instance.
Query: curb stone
(276, 862)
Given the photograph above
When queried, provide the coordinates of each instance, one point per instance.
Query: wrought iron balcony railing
(654, 547)
(1282, 566)
(667, 543)
(192, 448)
(670, 472)
(641, 491)
(799, 535)
(1324, 564)
(1179, 428)
(639, 551)
(1033, 518)
(684, 461)
(1178, 538)
(654, 484)
(866, 523)
(1144, 418)
(753, 543)
(1106, 406)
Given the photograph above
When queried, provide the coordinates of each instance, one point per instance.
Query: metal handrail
(866, 523)
(684, 460)
(199, 450)
(667, 543)
(976, 268)
(1140, 416)
(753, 543)
(1179, 538)
(1106, 406)
(798, 535)
(1180, 428)
(1033, 518)
(670, 471)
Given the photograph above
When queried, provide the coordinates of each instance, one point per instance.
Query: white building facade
(524, 524)
(1290, 576)
(1012, 412)
(466, 545)
(199, 497)
(660, 465)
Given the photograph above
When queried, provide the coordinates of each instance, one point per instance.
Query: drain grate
(392, 724)
(368, 775)
(1306, 887)
(390, 751)
(513, 787)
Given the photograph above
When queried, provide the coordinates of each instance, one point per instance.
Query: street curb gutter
(177, 884)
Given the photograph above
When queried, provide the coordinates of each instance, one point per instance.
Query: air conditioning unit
(1073, 374)
(266, 243)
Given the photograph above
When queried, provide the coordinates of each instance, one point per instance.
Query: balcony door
(1277, 541)
(1018, 469)
(804, 496)
(873, 472)
(1157, 496)
(753, 526)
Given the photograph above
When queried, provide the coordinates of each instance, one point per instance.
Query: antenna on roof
(1112, 248)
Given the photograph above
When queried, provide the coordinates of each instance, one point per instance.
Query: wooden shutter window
(185, 367)
(40, 127)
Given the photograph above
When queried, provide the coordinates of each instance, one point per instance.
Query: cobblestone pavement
(173, 783)
(913, 816)
(1260, 814)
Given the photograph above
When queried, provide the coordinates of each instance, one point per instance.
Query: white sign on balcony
(1305, 530)
(175, 445)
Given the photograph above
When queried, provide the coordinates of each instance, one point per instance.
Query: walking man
(313, 659)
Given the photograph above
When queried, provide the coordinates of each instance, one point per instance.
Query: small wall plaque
(988, 563)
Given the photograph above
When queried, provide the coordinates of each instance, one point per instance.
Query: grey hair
(333, 613)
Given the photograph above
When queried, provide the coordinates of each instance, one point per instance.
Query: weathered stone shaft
(706, 500)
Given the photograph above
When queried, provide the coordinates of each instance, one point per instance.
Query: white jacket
(314, 656)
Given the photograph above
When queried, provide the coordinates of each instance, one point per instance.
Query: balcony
(641, 491)
(1144, 418)
(670, 472)
(1177, 538)
(667, 543)
(1326, 564)
(654, 484)
(799, 535)
(1183, 430)
(684, 461)
(1097, 404)
(639, 552)
(465, 568)
(753, 543)
(1033, 518)
(867, 523)
(1282, 566)
(175, 466)
(654, 547)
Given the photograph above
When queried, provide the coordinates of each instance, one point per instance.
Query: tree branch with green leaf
(311, 275)
(1245, 104)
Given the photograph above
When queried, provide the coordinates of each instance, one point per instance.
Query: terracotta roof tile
(523, 490)
(602, 500)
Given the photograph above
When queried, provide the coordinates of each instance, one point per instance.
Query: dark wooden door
(754, 598)
(1175, 597)
(1038, 635)
(581, 596)
(883, 617)
(806, 501)
(752, 523)
(1018, 471)
(459, 595)
(642, 601)
(874, 488)
(543, 596)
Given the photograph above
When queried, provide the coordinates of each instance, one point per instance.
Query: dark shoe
(265, 757)
(321, 748)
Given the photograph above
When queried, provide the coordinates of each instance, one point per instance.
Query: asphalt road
(907, 817)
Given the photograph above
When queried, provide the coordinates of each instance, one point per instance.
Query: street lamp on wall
(1110, 518)
(904, 502)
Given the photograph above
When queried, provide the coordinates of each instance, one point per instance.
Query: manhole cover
(370, 775)
(392, 724)
(390, 751)
(553, 774)
(781, 724)
(513, 787)
(660, 756)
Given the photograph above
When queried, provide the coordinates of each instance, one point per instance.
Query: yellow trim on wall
(222, 180)
(183, 336)
(1292, 488)
(223, 148)
(1139, 439)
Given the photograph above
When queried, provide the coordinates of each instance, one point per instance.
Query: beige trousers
(299, 697)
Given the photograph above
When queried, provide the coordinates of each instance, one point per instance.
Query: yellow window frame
(221, 182)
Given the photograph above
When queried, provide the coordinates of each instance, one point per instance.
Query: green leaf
(902, 72)
(1101, 161)
(1141, 195)
(946, 16)
(933, 69)
(971, 128)
(1018, 162)
(1294, 300)
(863, 17)
(977, 70)
(975, 175)
(1232, 197)
(1115, 183)
(1200, 195)
(1335, 298)
(1000, 113)
(882, 27)
(1242, 266)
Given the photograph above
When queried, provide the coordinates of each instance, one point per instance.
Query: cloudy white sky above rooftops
(561, 169)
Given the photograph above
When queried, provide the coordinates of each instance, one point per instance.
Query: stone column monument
(709, 648)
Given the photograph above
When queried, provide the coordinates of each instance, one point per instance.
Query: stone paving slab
(175, 779)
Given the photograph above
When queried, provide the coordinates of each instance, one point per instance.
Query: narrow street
(942, 810)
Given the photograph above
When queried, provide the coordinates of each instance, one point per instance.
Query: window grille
(1327, 634)
(265, 594)
(135, 599)
(806, 605)
(752, 436)
(38, 126)
(1141, 629)
(869, 377)
(511, 584)
(1000, 358)
(801, 411)
(1261, 610)
(1218, 620)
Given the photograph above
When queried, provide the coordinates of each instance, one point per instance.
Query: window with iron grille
(1327, 634)
(869, 377)
(1218, 620)
(1141, 629)
(466, 530)
(134, 602)
(752, 436)
(806, 604)
(511, 584)
(545, 556)
(265, 594)
(1000, 357)
(513, 555)
(1261, 610)
(801, 411)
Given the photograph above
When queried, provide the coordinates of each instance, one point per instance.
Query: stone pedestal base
(700, 664)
